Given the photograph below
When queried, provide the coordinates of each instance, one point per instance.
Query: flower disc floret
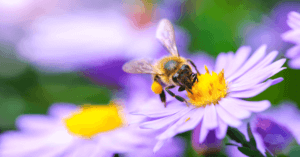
(209, 89)
(94, 119)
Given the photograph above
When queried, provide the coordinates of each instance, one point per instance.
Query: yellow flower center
(93, 119)
(209, 89)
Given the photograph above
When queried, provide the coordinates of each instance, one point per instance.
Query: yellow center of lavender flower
(93, 119)
(209, 89)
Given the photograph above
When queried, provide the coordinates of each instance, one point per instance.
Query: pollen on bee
(156, 87)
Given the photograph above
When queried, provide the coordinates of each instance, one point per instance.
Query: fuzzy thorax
(209, 89)
(93, 119)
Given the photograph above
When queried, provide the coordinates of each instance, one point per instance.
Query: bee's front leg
(173, 95)
(193, 66)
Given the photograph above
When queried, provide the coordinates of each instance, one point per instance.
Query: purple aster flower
(273, 132)
(90, 130)
(217, 101)
(293, 37)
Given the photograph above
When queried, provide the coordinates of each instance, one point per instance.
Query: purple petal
(203, 133)
(292, 36)
(157, 113)
(158, 145)
(240, 57)
(257, 56)
(36, 123)
(254, 106)
(294, 20)
(293, 52)
(160, 123)
(251, 79)
(227, 118)
(221, 62)
(221, 130)
(24, 143)
(266, 61)
(61, 110)
(257, 89)
(210, 117)
(193, 121)
(294, 63)
(171, 131)
(234, 109)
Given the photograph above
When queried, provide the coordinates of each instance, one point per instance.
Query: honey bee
(171, 70)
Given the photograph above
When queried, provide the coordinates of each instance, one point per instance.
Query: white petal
(227, 118)
(257, 56)
(210, 117)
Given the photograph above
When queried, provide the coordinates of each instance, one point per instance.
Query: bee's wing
(165, 34)
(143, 66)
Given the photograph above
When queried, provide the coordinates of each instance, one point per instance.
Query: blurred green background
(214, 25)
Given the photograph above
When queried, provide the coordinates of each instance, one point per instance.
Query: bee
(172, 70)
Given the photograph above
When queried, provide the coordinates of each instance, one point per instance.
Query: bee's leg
(193, 66)
(181, 88)
(173, 95)
(195, 78)
(162, 96)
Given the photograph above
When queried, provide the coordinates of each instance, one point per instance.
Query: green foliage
(248, 147)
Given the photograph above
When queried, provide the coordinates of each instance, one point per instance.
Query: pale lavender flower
(216, 101)
(273, 129)
(292, 36)
(51, 135)
(84, 39)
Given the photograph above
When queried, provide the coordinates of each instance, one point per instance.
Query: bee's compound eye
(175, 76)
(156, 87)
(184, 66)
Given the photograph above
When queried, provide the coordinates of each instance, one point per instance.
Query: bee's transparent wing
(142, 66)
(166, 35)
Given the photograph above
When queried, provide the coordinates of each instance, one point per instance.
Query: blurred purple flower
(241, 77)
(273, 129)
(293, 37)
(268, 31)
(211, 144)
(48, 135)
